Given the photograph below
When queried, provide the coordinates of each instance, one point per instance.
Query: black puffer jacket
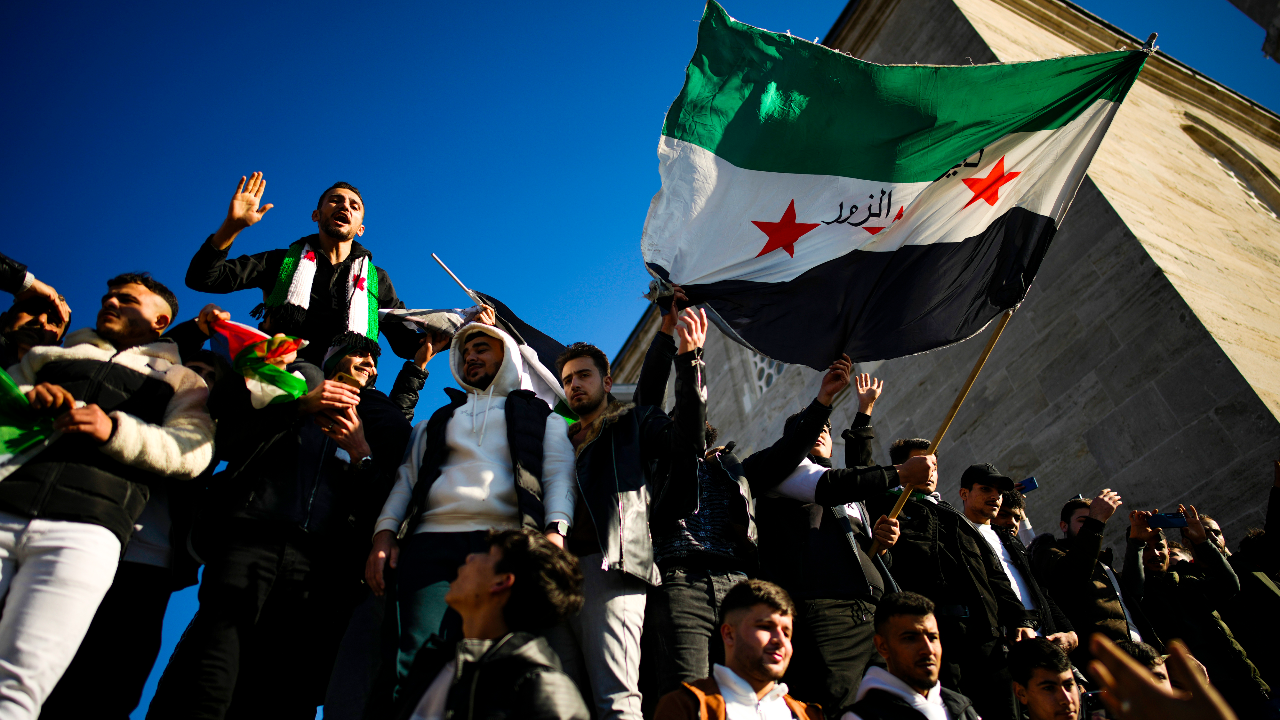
(626, 461)
(282, 468)
(518, 677)
(12, 274)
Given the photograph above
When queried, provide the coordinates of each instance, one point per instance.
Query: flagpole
(474, 298)
(955, 407)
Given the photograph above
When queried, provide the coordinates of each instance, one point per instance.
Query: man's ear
(1020, 691)
(608, 383)
(360, 231)
(1063, 526)
(882, 646)
(726, 634)
(160, 323)
(315, 216)
(964, 493)
(503, 583)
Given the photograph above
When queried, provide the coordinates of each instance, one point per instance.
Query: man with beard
(494, 457)
(283, 531)
(756, 630)
(1185, 605)
(66, 513)
(628, 456)
(908, 640)
(323, 288)
(38, 316)
(1078, 574)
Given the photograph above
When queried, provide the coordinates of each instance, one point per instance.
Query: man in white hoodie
(494, 457)
(907, 638)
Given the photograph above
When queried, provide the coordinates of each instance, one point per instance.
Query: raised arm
(1220, 583)
(403, 341)
(651, 388)
(244, 211)
(211, 271)
(766, 468)
(685, 431)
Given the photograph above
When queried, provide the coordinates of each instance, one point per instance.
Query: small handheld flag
(22, 434)
(249, 352)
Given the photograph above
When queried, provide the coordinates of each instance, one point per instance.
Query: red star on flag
(988, 188)
(311, 255)
(896, 218)
(360, 283)
(784, 233)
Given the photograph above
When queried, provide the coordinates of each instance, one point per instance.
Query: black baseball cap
(985, 474)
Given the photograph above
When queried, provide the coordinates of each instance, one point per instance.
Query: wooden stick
(955, 407)
(474, 298)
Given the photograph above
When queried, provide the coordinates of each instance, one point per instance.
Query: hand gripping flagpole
(955, 407)
(474, 298)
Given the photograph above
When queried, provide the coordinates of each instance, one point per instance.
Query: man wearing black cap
(982, 489)
(941, 556)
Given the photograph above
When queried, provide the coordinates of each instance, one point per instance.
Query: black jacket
(281, 468)
(1185, 605)
(161, 431)
(811, 549)
(1072, 572)
(881, 705)
(942, 557)
(1050, 619)
(625, 461)
(212, 272)
(519, 677)
(1259, 597)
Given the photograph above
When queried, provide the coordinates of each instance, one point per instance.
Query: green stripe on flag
(250, 364)
(776, 103)
(20, 429)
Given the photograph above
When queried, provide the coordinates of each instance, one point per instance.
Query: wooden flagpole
(955, 407)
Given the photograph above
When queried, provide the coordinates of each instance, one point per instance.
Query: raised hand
(486, 316)
(1104, 506)
(280, 361)
(329, 395)
(691, 331)
(42, 290)
(679, 302)
(210, 314)
(1194, 531)
(920, 471)
(245, 210)
(869, 389)
(429, 346)
(1132, 692)
(1139, 527)
(836, 379)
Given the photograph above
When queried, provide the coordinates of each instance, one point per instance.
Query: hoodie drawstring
(485, 423)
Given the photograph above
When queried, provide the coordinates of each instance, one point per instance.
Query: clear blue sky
(516, 140)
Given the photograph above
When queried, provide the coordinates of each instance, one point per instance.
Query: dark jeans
(683, 619)
(428, 563)
(273, 605)
(977, 668)
(106, 678)
(833, 647)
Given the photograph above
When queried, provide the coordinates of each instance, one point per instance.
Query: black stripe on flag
(881, 305)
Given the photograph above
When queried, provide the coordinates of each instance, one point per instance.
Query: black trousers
(976, 667)
(833, 647)
(273, 606)
(682, 625)
(110, 670)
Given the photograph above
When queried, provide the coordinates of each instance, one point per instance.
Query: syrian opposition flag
(22, 434)
(819, 204)
(249, 350)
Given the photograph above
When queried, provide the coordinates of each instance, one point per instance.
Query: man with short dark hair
(323, 288)
(941, 556)
(1186, 605)
(68, 512)
(755, 627)
(501, 666)
(495, 456)
(1077, 573)
(284, 528)
(1149, 658)
(1214, 531)
(628, 457)
(983, 490)
(38, 316)
(1043, 681)
(907, 638)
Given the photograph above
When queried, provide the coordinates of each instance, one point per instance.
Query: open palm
(246, 208)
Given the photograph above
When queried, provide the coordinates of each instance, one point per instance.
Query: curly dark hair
(548, 580)
(1012, 500)
(1037, 652)
(145, 280)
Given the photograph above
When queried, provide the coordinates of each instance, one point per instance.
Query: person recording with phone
(287, 534)
(1184, 605)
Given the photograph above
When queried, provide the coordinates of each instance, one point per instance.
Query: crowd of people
(495, 561)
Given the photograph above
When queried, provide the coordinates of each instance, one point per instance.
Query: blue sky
(515, 140)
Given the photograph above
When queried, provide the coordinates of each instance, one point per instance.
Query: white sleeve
(559, 472)
(397, 504)
(801, 484)
(181, 446)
